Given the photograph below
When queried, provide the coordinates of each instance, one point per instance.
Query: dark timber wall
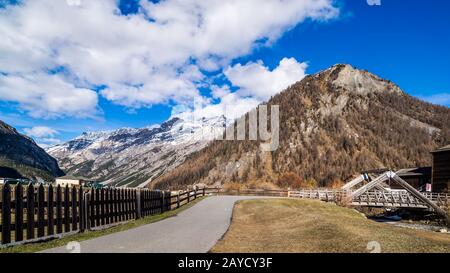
(441, 171)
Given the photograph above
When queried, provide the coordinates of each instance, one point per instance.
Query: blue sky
(406, 42)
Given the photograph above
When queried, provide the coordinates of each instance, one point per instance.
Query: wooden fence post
(66, 209)
(87, 210)
(6, 214)
(58, 210)
(188, 195)
(178, 200)
(50, 210)
(19, 213)
(162, 201)
(102, 207)
(97, 207)
(81, 209)
(91, 208)
(195, 193)
(204, 191)
(30, 211)
(41, 211)
(138, 203)
(74, 208)
(116, 206)
(111, 205)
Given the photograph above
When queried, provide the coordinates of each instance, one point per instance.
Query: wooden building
(441, 169)
(417, 177)
(70, 181)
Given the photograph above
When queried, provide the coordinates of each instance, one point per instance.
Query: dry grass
(306, 226)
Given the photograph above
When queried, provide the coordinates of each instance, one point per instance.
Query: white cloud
(256, 84)
(44, 136)
(441, 99)
(256, 80)
(48, 96)
(150, 57)
(40, 131)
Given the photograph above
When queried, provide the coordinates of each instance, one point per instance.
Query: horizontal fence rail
(254, 192)
(35, 213)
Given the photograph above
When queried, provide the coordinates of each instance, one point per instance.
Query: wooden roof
(443, 149)
(71, 177)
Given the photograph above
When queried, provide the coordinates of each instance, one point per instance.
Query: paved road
(195, 230)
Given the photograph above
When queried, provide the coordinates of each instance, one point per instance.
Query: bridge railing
(396, 198)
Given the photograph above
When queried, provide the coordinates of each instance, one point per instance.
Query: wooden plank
(111, 206)
(127, 204)
(6, 214)
(66, 209)
(134, 204)
(88, 210)
(102, 207)
(50, 211)
(74, 214)
(41, 211)
(161, 204)
(372, 184)
(97, 207)
(120, 204)
(59, 221)
(116, 207)
(30, 212)
(107, 205)
(153, 202)
(151, 197)
(92, 208)
(19, 213)
(81, 208)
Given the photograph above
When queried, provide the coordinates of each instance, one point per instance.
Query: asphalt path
(195, 230)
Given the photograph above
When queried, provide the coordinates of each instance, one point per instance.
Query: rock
(443, 230)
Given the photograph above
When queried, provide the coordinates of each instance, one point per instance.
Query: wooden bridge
(393, 198)
(367, 191)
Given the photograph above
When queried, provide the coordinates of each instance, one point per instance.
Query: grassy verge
(35, 247)
(306, 226)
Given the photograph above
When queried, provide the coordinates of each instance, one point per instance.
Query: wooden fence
(251, 192)
(34, 213)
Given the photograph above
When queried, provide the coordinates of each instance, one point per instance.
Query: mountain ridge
(134, 156)
(333, 124)
(21, 156)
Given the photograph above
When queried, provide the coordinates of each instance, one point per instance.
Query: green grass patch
(35, 247)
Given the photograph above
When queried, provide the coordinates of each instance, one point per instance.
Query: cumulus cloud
(44, 136)
(256, 80)
(255, 84)
(40, 131)
(48, 96)
(153, 56)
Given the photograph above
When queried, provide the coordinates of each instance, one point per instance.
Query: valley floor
(299, 226)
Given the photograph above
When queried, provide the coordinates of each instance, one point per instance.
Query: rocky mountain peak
(357, 81)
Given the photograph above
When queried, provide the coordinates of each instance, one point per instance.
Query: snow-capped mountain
(134, 157)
